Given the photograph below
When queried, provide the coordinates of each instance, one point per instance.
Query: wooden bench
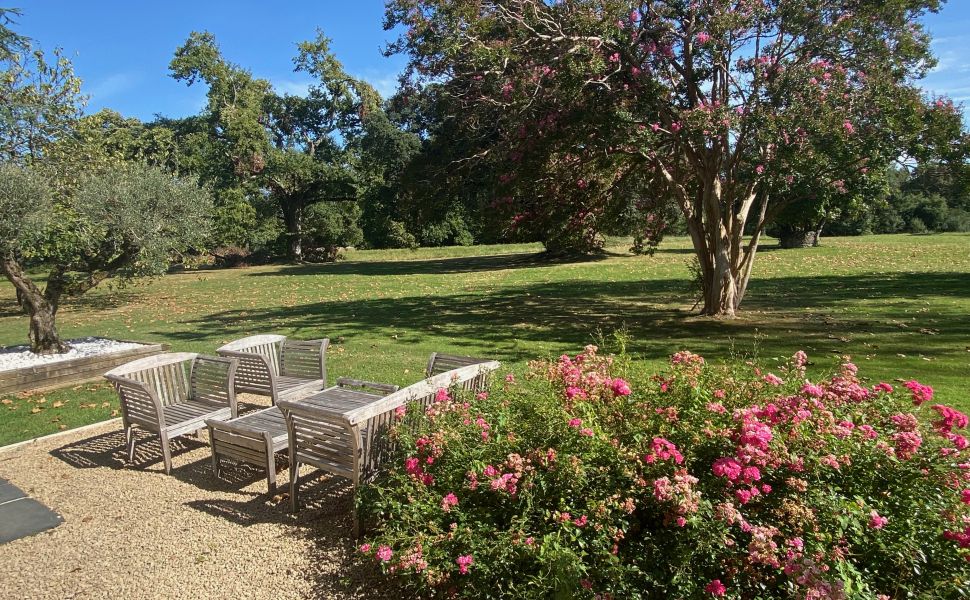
(255, 438)
(351, 442)
(172, 394)
(278, 367)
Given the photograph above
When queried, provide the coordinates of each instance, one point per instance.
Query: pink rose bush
(591, 478)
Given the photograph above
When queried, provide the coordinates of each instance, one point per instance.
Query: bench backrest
(440, 363)
(377, 418)
(212, 380)
(166, 375)
(267, 345)
(307, 360)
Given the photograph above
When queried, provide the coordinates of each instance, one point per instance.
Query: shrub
(330, 226)
(591, 479)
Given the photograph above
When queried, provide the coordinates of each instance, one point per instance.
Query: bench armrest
(385, 388)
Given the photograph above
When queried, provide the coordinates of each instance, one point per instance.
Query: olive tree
(125, 221)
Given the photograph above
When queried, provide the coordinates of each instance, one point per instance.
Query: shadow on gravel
(324, 519)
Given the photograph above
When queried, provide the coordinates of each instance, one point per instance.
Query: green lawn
(900, 305)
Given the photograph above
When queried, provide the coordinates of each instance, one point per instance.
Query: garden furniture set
(339, 429)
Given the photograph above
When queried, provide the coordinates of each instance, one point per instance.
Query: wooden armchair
(274, 366)
(354, 444)
(172, 394)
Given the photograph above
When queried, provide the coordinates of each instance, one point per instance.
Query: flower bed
(593, 479)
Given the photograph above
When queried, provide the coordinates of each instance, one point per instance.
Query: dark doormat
(21, 516)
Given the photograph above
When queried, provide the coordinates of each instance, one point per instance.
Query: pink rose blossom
(384, 553)
(715, 588)
(773, 379)
(464, 562)
(921, 393)
(621, 388)
(876, 521)
(448, 501)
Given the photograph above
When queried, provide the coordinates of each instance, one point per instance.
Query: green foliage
(331, 226)
(41, 97)
(25, 205)
(595, 477)
(140, 212)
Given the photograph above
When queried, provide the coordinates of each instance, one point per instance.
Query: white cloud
(384, 83)
(112, 85)
(292, 87)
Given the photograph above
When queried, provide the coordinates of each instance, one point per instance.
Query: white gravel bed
(18, 357)
(133, 532)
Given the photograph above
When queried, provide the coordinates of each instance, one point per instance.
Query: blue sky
(122, 49)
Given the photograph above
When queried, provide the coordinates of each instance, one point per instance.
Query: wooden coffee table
(255, 438)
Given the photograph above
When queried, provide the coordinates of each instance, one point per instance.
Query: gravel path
(133, 532)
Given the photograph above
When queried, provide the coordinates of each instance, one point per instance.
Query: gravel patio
(133, 532)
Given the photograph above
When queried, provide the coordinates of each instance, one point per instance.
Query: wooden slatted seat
(351, 441)
(278, 367)
(440, 362)
(172, 394)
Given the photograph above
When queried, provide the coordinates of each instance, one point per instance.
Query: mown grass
(900, 305)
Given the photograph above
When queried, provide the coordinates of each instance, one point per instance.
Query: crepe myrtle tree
(125, 221)
(727, 105)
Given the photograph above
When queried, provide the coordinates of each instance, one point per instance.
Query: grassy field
(900, 305)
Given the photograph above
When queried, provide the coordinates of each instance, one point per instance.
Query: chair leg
(270, 464)
(130, 439)
(166, 453)
(271, 475)
(294, 481)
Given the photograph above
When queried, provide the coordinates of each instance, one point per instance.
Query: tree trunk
(43, 330)
(293, 219)
(40, 307)
(725, 259)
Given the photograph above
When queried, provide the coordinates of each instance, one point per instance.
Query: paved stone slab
(9, 491)
(21, 516)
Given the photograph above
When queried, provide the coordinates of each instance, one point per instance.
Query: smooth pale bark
(725, 258)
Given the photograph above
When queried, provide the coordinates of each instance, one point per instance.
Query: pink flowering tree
(725, 108)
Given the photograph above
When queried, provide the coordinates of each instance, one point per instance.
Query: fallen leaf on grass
(105, 404)
(35, 410)
(7, 401)
(57, 404)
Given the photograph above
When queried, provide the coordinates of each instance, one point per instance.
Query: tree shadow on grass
(780, 312)
(436, 266)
